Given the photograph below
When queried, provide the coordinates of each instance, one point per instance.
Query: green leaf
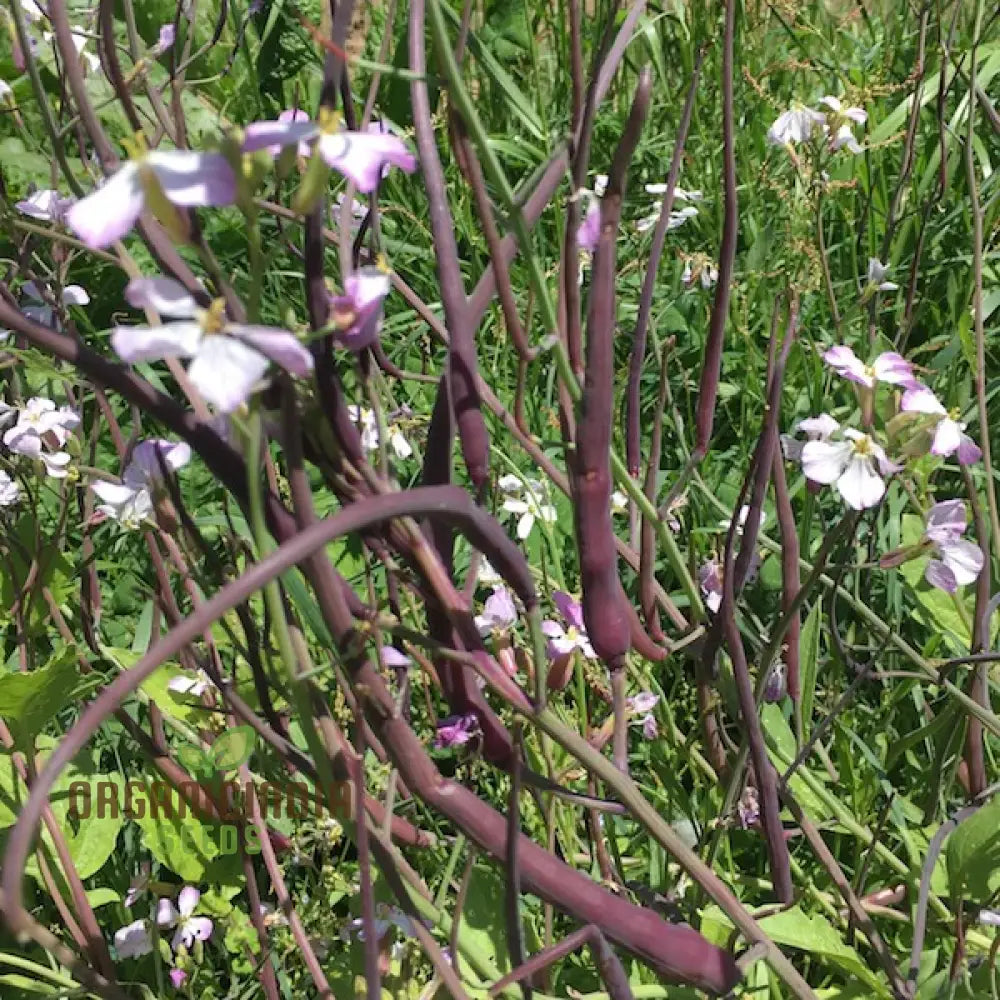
(233, 748)
(810, 933)
(973, 854)
(28, 701)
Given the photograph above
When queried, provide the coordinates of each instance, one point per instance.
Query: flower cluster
(527, 499)
(836, 125)
(39, 431)
(131, 502)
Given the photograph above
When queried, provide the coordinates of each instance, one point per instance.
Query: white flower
(487, 574)
(876, 275)
(229, 359)
(195, 684)
(600, 184)
(680, 194)
(386, 917)
(133, 940)
(6, 92)
(131, 503)
(795, 125)
(855, 466)
(39, 423)
(888, 367)
(89, 60)
(39, 311)
(815, 428)
(949, 432)
(45, 205)
(189, 927)
(960, 561)
(619, 503)
(840, 121)
(528, 505)
(677, 218)
(9, 490)
(369, 432)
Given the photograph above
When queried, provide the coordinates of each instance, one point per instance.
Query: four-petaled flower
(40, 426)
(815, 429)
(840, 122)
(499, 612)
(856, 466)
(642, 704)
(710, 581)
(131, 502)
(45, 205)
(359, 156)
(189, 928)
(456, 731)
(876, 276)
(133, 940)
(358, 312)
(369, 432)
(187, 179)
(565, 639)
(949, 433)
(888, 367)
(229, 359)
(795, 125)
(528, 505)
(40, 311)
(960, 561)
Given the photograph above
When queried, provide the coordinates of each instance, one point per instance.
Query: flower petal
(188, 900)
(964, 559)
(151, 343)
(947, 437)
(825, 461)
(847, 364)
(282, 347)
(133, 940)
(225, 371)
(894, 369)
(860, 485)
(166, 913)
(360, 156)
(163, 295)
(194, 179)
(968, 451)
(946, 521)
(111, 211)
(920, 399)
(275, 135)
(571, 610)
(939, 575)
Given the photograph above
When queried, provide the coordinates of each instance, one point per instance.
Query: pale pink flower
(710, 581)
(359, 156)
(189, 928)
(960, 561)
(499, 612)
(795, 125)
(358, 312)
(186, 178)
(949, 433)
(589, 233)
(456, 731)
(840, 122)
(228, 359)
(133, 940)
(566, 638)
(45, 205)
(855, 466)
(888, 367)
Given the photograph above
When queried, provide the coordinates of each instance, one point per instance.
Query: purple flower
(359, 156)
(168, 35)
(133, 940)
(358, 312)
(499, 612)
(774, 686)
(960, 561)
(589, 233)
(229, 359)
(949, 433)
(643, 704)
(177, 978)
(710, 580)
(456, 730)
(185, 178)
(45, 205)
(748, 807)
(562, 640)
(392, 657)
(189, 928)
(889, 367)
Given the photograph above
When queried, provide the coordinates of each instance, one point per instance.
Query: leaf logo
(230, 751)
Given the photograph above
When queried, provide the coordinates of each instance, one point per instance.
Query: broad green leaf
(781, 745)
(233, 748)
(811, 933)
(28, 701)
(973, 854)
